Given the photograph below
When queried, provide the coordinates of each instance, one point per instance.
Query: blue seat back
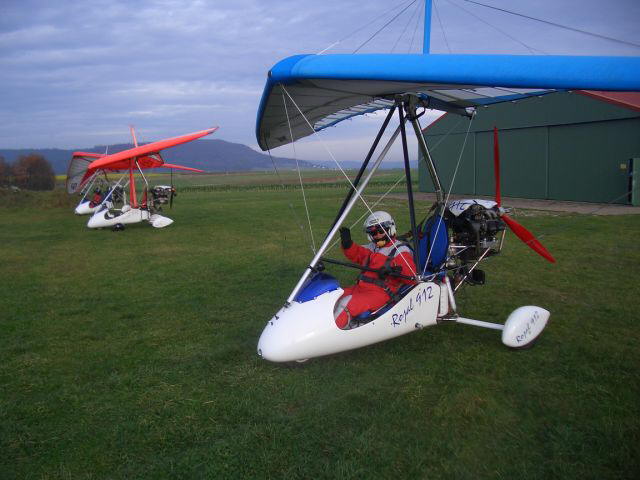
(317, 285)
(435, 239)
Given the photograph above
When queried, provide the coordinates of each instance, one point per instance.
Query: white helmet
(377, 220)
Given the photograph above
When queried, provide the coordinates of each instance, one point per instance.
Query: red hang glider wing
(117, 160)
(154, 160)
(146, 161)
(77, 173)
(180, 167)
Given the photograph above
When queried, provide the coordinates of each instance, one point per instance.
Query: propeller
(522, 233)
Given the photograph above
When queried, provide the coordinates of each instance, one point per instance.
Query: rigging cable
(385, 13)
(531, 49)
(444, 35)
(373, 205)
(293, 211)
(411, 17)
(384, 26)
(402, 177)
(554, 24)
(415, 27)
(338, 163)
(295, 156)
(446, 200)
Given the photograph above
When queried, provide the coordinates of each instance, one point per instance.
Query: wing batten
(332, 88)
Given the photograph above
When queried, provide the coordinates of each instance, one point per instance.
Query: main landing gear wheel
(118, 227)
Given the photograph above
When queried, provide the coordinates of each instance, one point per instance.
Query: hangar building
(579, 146)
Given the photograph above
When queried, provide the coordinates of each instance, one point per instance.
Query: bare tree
(5, 172)
(34, 172)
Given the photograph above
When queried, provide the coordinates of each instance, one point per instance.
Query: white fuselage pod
(524, 325)
(159, 221)
(104, 218)
(85, 208)
(301, 331)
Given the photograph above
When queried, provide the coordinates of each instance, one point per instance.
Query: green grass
(259, 178)
(133, 354)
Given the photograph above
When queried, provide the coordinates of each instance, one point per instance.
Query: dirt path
(545, 205)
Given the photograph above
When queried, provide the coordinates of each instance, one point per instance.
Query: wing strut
(422, 144)
(407, 172)
(146, 188)
(358, 193)
(132, 186)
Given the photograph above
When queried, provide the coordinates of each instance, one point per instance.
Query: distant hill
(211, 155)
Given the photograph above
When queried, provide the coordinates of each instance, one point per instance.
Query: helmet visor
(377, 229)
(374, 229)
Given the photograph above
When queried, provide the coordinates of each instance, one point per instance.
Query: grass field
(253, 178)
(133, 354)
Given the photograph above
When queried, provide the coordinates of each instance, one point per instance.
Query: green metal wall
(599, 153)
(561, 146)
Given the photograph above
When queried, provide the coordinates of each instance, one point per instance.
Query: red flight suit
(96, 200)
(369, 296)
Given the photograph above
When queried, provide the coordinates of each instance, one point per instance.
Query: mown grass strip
(132, 354)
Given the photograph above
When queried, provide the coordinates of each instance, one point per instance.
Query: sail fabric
(77, 174)
(82, 167)
(123, 162)
(331, 88)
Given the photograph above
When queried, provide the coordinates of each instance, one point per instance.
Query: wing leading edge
(332, 88)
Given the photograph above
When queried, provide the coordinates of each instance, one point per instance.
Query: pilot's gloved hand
(345, 237)
(385, 271)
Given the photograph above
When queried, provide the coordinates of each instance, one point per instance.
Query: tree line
(30, 172)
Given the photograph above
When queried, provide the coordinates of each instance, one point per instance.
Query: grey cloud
(75, 73)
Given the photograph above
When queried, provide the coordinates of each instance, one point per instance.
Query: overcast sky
(77, 73)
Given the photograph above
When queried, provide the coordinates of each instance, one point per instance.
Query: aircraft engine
(161, 195)
(475, 232)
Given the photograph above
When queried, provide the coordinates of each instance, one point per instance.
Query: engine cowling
(161, 194)
(475, 227)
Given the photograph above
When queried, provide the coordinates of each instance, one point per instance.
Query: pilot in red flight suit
(96, 199)
(383, 253)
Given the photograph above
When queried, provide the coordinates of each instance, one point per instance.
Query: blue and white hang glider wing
(332, 88)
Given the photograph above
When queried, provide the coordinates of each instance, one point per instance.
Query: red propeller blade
(496, 164)
(527, 237)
